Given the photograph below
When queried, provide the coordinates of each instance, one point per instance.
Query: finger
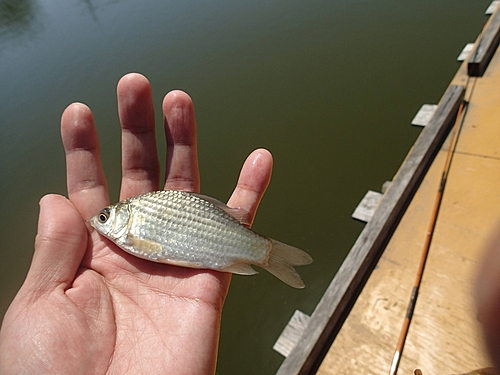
(180, 131)
(140, 165)
(487, 294)
(87, 186)
(59, 245)
(252, 183)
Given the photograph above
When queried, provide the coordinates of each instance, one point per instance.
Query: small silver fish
(195, 231)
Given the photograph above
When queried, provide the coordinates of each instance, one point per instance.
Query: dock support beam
(485, 47)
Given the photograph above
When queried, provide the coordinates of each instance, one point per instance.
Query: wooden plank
(366, 208)
(444, 336)
(340, 295)
(485, 47)
(424, 115)
(493, 6)
(465, 52)
(291, 334)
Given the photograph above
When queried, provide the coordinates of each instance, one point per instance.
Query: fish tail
(282, 259)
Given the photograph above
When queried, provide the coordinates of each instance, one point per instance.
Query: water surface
(330, 87)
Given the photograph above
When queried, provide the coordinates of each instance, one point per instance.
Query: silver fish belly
(195, 231)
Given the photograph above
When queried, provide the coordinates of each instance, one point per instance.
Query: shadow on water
(17, 17)
(21, 17)
(93, 7)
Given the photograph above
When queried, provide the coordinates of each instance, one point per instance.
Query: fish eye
(103, 215)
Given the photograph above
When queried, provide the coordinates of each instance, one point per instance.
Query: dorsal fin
(238, 213)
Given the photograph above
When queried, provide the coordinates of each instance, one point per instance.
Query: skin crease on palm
(86, 307)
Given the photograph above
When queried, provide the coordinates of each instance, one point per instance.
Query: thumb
(59, 245)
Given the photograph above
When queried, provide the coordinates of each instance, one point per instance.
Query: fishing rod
(432, 223)
(430, 231)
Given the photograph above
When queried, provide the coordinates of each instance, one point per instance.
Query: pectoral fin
(146, 248)
(153, 251)
(182, 263)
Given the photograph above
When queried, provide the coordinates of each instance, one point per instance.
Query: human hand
(487, 294)
(88, 307)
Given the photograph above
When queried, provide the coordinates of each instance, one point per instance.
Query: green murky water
(330, 87)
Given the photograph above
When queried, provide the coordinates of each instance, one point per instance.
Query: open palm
(87, 307)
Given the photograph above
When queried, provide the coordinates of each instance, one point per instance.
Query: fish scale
(192, 230)
(191, 225)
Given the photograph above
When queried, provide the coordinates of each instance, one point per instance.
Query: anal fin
(240, 269)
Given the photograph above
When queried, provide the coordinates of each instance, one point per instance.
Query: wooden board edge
(485, 48)
(337, 301)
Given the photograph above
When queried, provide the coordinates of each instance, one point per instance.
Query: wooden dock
(363, 310)
(444, 336)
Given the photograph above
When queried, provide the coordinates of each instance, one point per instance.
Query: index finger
(87, 186)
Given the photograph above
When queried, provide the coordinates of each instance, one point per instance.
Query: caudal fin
(281, 261)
